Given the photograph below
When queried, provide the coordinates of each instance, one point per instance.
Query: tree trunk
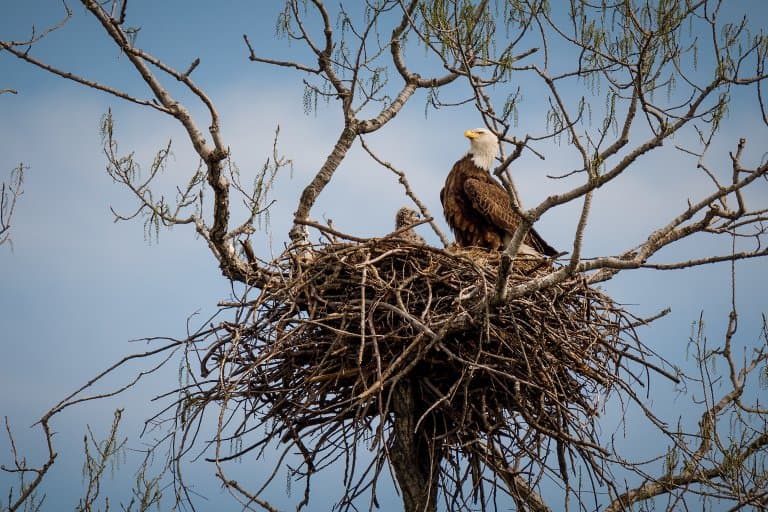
(415, 465)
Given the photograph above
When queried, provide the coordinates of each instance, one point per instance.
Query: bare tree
(473, 377)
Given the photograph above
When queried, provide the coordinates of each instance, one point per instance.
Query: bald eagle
(406, 217)
(478, 209)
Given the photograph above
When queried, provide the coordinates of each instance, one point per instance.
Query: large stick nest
(314, 359)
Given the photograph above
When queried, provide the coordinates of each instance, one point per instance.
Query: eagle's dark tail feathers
(543, 247)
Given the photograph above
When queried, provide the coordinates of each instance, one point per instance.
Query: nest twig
(314, 360)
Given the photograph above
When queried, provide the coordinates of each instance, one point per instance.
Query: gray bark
(416, 468)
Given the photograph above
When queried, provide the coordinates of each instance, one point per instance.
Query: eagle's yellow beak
(470, 134)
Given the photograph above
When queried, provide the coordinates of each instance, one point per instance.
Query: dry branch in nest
(315, 359)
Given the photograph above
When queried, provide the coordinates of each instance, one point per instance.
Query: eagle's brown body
(479, 210)
(406, 217)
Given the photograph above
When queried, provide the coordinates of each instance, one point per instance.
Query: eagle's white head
(484, 146)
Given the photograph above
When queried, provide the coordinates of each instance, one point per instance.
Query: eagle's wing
(492, 202)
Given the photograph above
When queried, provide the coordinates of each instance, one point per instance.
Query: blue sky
(77, 287)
